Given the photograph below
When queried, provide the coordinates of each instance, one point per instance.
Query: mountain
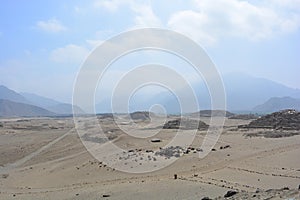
(65, 109)
(278, 103)
(39, 100)
(6, 93)
(51, 105)
(12, 109)
(245, 92)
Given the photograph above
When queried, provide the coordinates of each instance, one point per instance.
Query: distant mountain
(65, 109)
(245, 92)
(6, 93)
(13, 109)
(278, 103)
(51, 105)
(39, 100)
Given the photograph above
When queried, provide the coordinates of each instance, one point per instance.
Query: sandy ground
(44, 158)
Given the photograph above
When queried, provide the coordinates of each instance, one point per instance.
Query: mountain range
(243, 94)
(26, 104)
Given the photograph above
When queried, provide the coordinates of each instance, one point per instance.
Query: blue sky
(43, 43)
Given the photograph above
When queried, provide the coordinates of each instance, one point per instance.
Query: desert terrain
(44, 158)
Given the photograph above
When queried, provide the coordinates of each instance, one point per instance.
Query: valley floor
(45, 159)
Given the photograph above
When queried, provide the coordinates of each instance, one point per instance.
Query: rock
(230, 193)
(206, 198)
(175, 176)
(155, 140)
(105, 195)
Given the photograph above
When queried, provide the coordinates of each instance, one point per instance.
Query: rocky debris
(105, 116)
(244, 116)
(225, 147)
(282, 120)
(155, 140)
(185, 124)
(230, 193)
(170, 152)
(273, 134)
(176, 151)
(283, 193)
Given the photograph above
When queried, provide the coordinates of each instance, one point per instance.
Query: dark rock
(175, 176)
(105, 195)
(286, 188)
(206, 198)
(230, 193)
(155, 140)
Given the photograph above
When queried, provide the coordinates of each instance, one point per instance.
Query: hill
(285, 119)
(8, 94)
(278, 103)
(13, 109)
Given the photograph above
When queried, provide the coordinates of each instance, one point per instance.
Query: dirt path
(33, 154)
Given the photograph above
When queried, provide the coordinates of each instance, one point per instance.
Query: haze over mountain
(243, 93)
(6, 93)
(50, 104)
(27, 104)
(14, 109)
(278, 103)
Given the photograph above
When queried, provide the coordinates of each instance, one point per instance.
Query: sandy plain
(44, 158)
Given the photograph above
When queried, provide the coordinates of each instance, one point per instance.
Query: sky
(44, 43)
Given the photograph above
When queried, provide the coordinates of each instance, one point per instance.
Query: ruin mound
(285, 120)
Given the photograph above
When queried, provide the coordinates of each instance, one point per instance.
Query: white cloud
(215, 19)
(110, 5)
(145, 16)
(51, 25)
(69, 54)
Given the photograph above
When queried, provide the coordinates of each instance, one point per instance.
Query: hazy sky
(43, 43)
